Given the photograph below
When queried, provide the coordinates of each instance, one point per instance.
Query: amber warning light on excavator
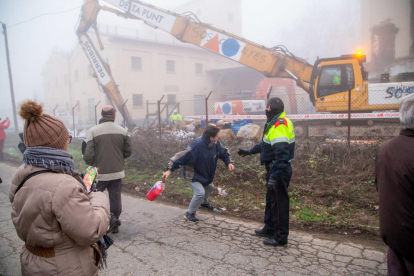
(360, 56)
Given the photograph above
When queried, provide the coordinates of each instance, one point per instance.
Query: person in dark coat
(276, 149)
(394, 179)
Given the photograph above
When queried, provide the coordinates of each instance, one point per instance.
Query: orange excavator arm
(274, 62)
(102, 70)
(271, 62)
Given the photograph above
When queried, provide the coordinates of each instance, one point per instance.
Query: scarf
(272, 113)
(49, 158)
(106, 119)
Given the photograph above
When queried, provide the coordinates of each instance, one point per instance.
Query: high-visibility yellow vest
(281, 131)
(336, 80)
(176, 117)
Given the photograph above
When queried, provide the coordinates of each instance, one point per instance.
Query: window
(65, 79)
(170, 66)
(76, 75)
(171, 98)
(136, 63)
(137, 100)
(170, 88)
(335, 79)
(90, 72)
(329, 76)
(199, 68)
(230, 17)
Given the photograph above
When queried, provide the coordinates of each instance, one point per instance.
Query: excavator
(327, 82)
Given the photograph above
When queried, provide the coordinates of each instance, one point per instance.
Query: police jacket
(199, 160)
(278, 144)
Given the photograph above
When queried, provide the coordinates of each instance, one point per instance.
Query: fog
(309, 28)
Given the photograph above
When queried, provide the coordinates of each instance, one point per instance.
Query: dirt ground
(240, 209)
(332, 189)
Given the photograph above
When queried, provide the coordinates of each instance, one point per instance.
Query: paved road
(155, 240)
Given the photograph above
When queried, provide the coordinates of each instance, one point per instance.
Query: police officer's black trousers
(277, 204)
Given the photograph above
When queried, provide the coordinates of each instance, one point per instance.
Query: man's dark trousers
(277, 204)
(114, 190)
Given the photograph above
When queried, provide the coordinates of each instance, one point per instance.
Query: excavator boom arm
(101, 68)
(187, 29)
(272, 63)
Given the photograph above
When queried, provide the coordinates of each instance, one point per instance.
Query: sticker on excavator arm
(157, 18)
(95, 61)
(221, 43)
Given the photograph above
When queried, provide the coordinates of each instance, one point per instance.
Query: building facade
(146, 64)
(387, 29)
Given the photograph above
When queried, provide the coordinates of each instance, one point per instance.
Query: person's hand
(271, 183)
(243, 152)
(231, 167)
(166, 174)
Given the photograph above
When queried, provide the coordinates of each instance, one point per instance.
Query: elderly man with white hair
(394, 177)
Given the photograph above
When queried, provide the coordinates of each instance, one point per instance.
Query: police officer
(276, 151)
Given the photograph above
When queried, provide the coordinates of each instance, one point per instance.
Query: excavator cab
(331, 80)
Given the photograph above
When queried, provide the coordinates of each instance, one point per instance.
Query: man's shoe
(273, 242)
(191, 217)
(115, 230)
(113, 222)
(264, 233)
(208, 206)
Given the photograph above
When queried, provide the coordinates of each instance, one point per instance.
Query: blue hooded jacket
(199, 160)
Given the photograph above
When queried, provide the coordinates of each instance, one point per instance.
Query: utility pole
(16, 126)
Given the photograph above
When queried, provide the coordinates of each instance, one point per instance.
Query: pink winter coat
(53, 211)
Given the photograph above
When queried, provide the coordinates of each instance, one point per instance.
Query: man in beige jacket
(107, 145)
(51, 209)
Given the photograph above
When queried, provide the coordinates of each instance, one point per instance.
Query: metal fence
(349, 117)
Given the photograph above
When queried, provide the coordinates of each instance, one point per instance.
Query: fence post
(159, 114)
(269, 90)
(207, 108)
(349, 118)
(168, 112)
(54, 110)
(96, 117)
(73, 115)
(123, 111)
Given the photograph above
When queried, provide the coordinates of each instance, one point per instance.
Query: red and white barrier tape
(303, 116)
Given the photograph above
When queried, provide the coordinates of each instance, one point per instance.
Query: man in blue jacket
(199, 162)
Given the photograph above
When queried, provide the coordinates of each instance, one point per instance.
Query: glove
(271, 184)
(244, 152)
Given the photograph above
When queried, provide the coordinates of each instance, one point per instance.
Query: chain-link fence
(331, 181)
(373, 110)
